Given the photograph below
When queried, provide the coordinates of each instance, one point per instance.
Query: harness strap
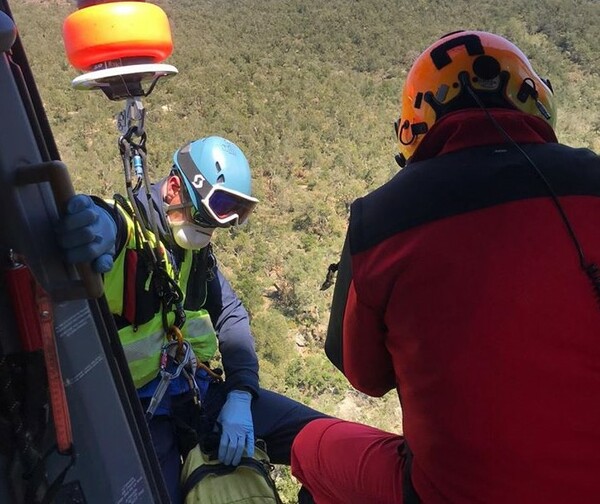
(167, 289)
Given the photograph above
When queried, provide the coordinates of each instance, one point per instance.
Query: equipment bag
(205, 480)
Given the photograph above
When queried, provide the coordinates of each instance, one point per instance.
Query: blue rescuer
(173, 306)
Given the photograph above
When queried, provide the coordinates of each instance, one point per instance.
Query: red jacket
(460, 287)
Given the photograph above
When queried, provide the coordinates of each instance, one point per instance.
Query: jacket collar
(473, 128)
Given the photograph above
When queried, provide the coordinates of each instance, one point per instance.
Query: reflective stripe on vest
(143, 345)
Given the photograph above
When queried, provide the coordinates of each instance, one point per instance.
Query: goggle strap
(190, 170)
(178, 206)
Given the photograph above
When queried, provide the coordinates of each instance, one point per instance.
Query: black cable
(590, 269)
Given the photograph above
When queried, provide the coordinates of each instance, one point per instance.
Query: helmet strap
(416, 129)
(527, 90)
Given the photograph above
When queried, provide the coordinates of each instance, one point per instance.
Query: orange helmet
(468, 69)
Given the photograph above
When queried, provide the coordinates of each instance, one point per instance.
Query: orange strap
(211, 373)
(58, 397)
(175, 334)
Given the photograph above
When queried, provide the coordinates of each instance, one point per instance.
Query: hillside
(309, 90)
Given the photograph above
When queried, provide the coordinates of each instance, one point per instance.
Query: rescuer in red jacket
(469, 283)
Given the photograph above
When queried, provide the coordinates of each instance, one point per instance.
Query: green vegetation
(309, 90)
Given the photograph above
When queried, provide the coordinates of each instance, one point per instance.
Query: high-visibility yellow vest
(143, 343)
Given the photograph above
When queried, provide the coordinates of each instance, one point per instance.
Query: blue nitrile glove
(87, 233)
(238, 430)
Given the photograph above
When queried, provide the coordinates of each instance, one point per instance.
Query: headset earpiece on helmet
(445, 76)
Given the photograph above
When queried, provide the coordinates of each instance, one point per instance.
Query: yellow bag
(205, 480)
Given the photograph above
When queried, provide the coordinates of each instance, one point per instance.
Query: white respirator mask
(191, 236)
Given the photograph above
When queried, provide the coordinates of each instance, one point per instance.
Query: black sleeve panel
(334, 339)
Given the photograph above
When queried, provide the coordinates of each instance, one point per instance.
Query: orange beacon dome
(105, 32)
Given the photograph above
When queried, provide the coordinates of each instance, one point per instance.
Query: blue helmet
(216, 175)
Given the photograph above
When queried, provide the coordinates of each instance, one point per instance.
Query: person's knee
(313, 431)
(307, 444)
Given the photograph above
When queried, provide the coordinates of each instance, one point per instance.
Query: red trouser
(342, 462)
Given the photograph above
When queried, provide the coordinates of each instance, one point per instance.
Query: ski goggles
(223, 206)
(217, 205)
